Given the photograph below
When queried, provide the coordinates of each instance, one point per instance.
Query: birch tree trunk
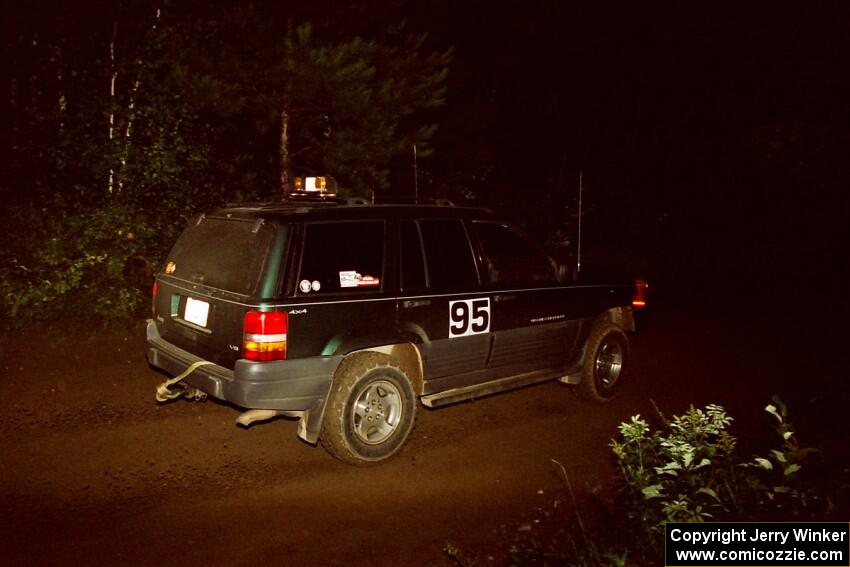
(131, 113)
(62, 101)
(15, 109)
(285, 158)
(112, 80)
(285, 114)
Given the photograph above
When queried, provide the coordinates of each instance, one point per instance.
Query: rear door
(340, 290)
(441, 302)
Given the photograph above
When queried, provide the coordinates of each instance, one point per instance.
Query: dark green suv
(347, 314)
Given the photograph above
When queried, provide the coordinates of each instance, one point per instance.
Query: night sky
(712, 137)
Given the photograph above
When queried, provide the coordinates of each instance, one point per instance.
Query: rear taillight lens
(641, 293)
(154, 291)
(264, 335)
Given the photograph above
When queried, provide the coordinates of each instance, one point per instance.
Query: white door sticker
(469, 317)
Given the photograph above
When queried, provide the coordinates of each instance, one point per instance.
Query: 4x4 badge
(170, 267)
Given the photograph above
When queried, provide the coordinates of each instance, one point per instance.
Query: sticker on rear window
(306, 286)
(352, 278)
(348, 279)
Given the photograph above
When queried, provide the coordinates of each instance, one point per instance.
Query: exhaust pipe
(247, 418)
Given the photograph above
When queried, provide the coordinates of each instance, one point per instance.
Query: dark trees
(335, 104)
(126, 120)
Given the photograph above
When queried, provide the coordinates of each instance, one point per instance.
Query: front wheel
(606, 358)
(371, 410)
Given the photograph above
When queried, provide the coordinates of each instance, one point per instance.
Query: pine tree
(341, 108)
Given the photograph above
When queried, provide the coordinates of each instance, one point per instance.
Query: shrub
(690, 469)
(82, 261)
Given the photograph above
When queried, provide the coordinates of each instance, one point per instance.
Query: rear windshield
(226, 254)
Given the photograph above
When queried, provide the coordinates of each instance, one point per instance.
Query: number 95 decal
(469, 317)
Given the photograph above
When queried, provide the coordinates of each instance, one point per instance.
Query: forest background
(711, 139)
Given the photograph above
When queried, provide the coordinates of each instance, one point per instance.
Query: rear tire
(371, 410)
(606, 359)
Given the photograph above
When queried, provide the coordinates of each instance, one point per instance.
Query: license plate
(196, 312)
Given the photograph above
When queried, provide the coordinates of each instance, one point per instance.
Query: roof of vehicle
(341, 209)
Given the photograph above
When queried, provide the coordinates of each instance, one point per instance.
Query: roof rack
(405, 200)
(329, 198)
(313, 196)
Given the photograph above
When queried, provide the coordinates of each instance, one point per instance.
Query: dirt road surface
(94, 472)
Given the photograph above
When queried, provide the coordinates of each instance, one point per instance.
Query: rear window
(342, 257)
(227, 254)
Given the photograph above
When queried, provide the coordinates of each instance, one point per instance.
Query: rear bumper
(293, 385)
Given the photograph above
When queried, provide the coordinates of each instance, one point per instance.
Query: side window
(342, 256)
(511, 259)
(412, 264)
(448, 256)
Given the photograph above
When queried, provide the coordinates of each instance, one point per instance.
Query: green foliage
(124, 133)
(79, 263)
(99, 212)
(352, 104)
(683, 467)
(690, 470)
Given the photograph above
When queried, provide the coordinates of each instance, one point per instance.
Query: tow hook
(163, 394)
(194, 394)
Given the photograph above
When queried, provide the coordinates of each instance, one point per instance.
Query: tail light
(264, 335)
(641, 292)
(154, 292)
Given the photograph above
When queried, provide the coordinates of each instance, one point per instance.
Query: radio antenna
(578, 247)
(415, 175)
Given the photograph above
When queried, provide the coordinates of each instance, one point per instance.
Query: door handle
(504, 297)
(410, 303)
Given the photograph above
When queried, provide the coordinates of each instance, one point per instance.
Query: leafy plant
(690, 470)
(778, 480)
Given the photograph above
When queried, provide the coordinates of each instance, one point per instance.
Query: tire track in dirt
(94, 472)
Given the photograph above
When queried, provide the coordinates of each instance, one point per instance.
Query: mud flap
(163, 394)
(310, 424)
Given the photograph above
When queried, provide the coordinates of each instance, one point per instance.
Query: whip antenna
(578, 247)
(415, 175)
